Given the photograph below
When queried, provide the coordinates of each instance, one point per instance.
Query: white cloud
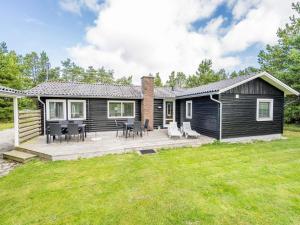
(139, 37)
(34, 21)
(258, 26)
(75, 6)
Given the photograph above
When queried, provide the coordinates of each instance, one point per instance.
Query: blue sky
(35, 25)
(137, 37)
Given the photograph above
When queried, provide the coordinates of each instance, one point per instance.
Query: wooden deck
(101, 143)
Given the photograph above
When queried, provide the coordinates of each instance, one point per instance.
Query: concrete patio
(101, 143)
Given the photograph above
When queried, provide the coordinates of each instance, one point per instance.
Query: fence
(30, 124)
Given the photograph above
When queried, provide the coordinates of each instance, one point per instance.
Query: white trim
(164, 111)
(270, 79)
(259, 100)
(70, 110)
(120, 117)
(268, 137)
(44, 113)
(64, 109)
(186, 109)
(16, 121)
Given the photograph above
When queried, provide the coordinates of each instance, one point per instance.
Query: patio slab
(101, 143)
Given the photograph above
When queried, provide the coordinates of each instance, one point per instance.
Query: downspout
(221, 112)
(44, 112)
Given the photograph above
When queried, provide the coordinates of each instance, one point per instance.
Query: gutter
(221, 112)
(44, 111)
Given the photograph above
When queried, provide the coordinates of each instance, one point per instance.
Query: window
(264, 110)
(121, 109)
(188, 109)
(56, 109)
(169, 108)
(76, 109)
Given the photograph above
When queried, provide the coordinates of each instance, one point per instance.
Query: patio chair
(130, 120)
(187, 130)
(73, 129)
(137, 129)
(119, 127)
(146, 126)
(64, 124)
(173, 130)
(55, 130)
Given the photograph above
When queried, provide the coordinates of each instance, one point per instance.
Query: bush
(292, 113)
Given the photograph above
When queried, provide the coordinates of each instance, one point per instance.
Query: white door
(169, 112)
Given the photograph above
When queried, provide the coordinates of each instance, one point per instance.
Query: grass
(215, 184)
(6, 125)
(292, 127)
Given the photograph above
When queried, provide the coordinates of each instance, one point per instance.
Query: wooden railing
(30, 125)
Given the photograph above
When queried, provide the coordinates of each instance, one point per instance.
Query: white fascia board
(268, 78)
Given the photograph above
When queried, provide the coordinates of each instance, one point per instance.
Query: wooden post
(16, 121)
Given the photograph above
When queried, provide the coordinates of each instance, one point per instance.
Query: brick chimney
(148, 99)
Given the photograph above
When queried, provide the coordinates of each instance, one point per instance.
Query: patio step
(18, 156)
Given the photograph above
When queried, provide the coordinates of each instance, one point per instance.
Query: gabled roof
(77, 89)
(10, 92)
(225, 85)
(167, 92)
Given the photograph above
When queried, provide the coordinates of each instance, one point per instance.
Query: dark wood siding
(96, 113)
(239, 114)
(158, 113)
(205, 115)
(178, 112)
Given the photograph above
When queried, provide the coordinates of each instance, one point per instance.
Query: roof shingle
(214, 87)
(76, 89)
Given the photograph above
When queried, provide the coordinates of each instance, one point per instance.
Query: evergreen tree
(171, 82)
(105, 77)
(283, 60)
(157, 80)
(124, 80)
(246, 71)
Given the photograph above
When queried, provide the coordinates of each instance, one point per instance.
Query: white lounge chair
(187, 130)
(173, 130)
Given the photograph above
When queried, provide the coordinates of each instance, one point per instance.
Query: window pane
(264, 110)
(114, 109)
(128, 109)
(56, 110)
(77, 110)
(189, 109)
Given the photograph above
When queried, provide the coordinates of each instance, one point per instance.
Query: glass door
(169, 112)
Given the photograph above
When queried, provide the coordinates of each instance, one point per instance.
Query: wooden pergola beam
(15, 94)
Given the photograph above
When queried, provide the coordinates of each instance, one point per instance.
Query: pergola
(15, 94)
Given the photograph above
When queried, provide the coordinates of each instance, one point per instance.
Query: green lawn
(215, 184)
(6, 125)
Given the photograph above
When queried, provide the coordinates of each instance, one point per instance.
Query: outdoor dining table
(65, 127)
(80, 126)
(127, 126)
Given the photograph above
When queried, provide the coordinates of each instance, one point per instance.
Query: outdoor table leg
(83, 133)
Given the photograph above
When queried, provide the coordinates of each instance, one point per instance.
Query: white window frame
(259, 100)
(186, 109)
(122, 109)
(48, 109)
(70, 112)
(165, 111)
